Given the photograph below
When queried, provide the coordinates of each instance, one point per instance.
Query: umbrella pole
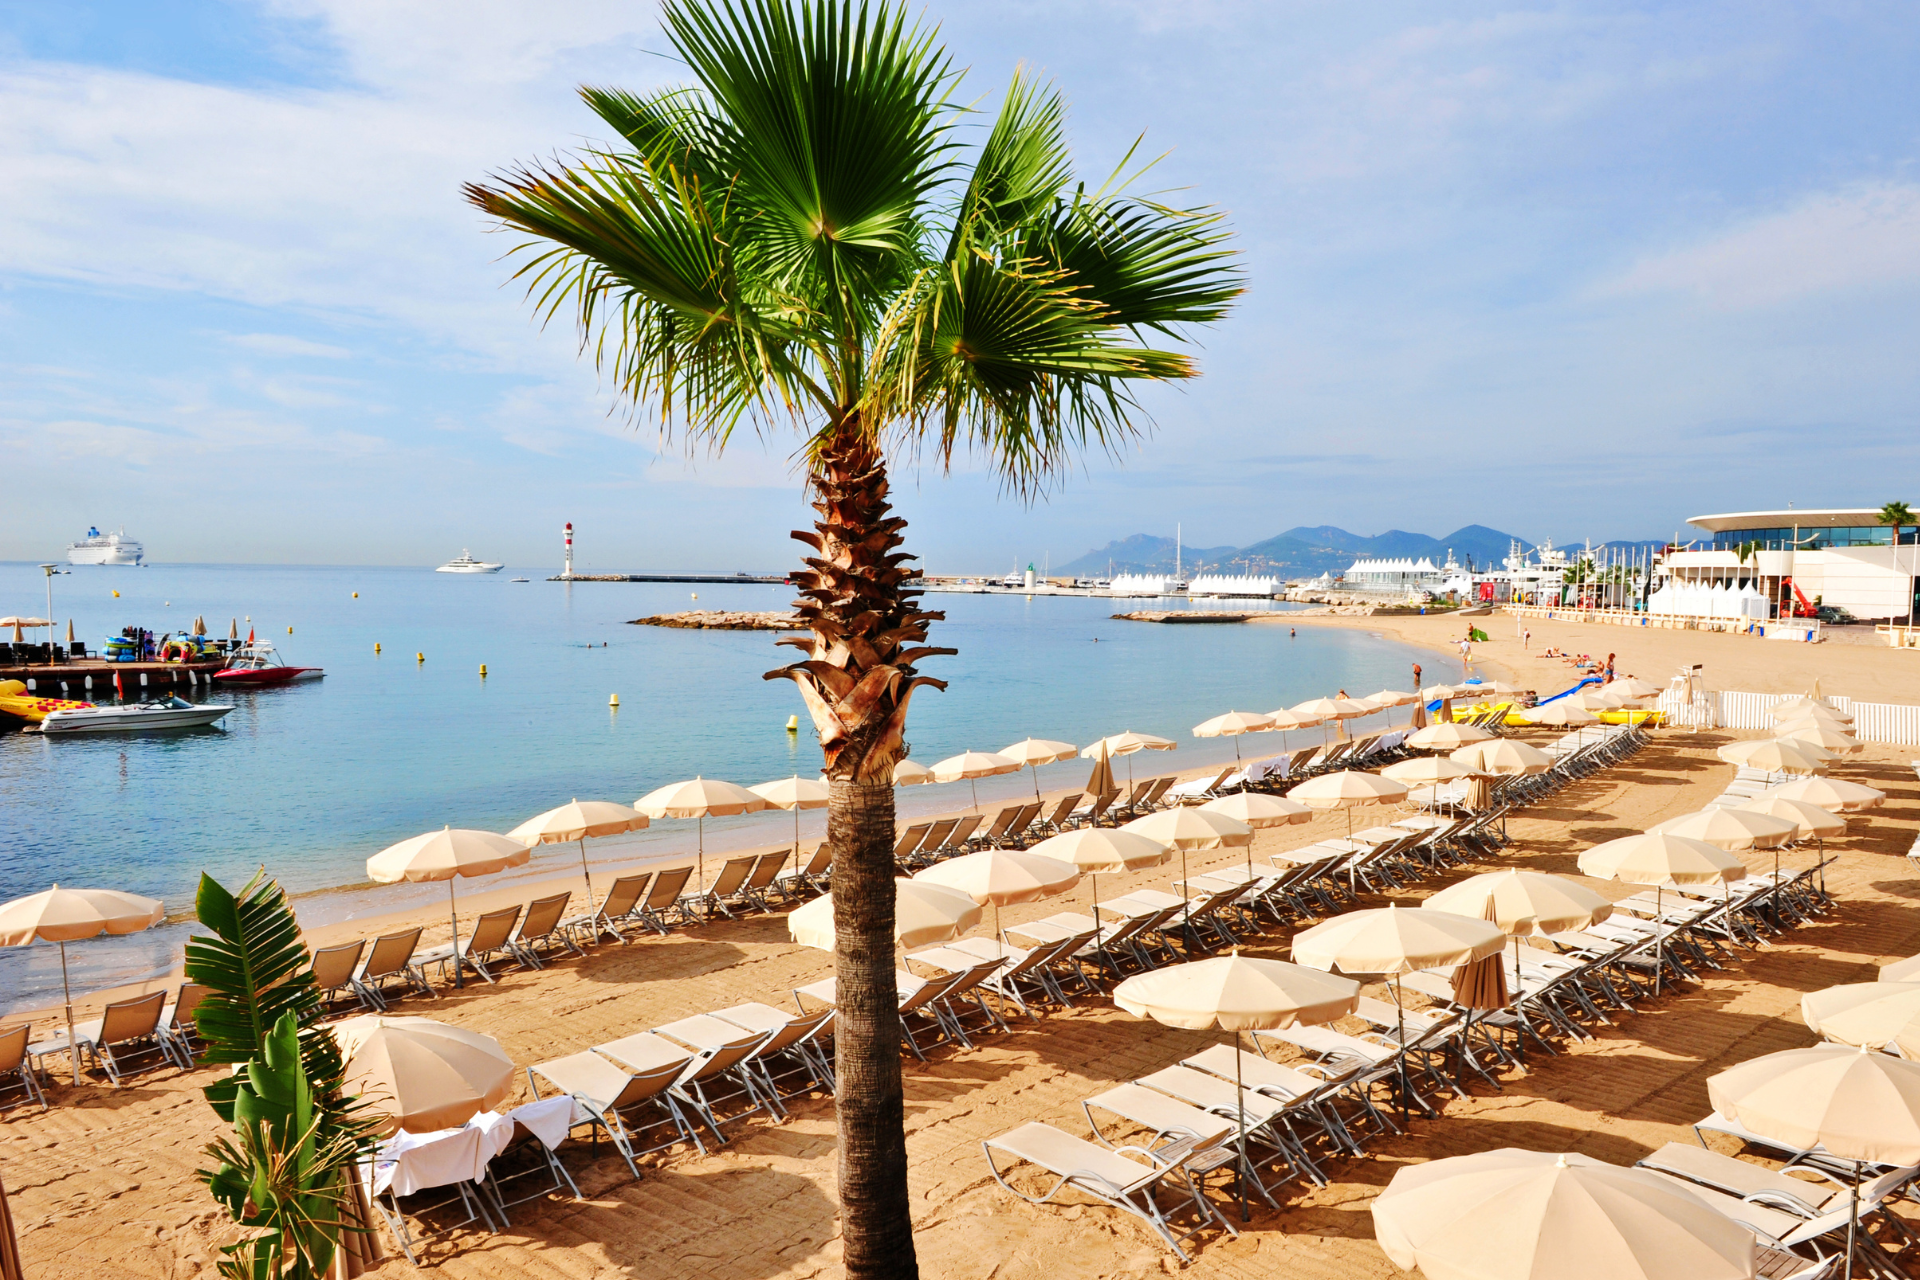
(796, 835)
(975, 784)
(1519, 1008)
(1659, 950)
(1036, 780)
(73, 1047)
(1400, 1011)
(1095, 877)
(1853, 1216)
(453, 914)
(1240, 1095)
(587, 874)
(700, 847)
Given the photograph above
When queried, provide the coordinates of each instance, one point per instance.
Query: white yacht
(105, 548)
(465, 563)
(169, 713)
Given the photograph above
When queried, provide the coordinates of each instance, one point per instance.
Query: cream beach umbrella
(1860, 1105)
(1390, 942)
(1232, 725)
(700, 799)
(69, 915)
(1731, 829)
(1034, 752)
(1502, 758)
(1194, 828)
(1288, 719)
(1824, 738)
(1127, 744)
(1661, 860)
(795, 793)
(1866, 1014)
(1387, 699)
(972, 765)
(1776, 755)
(908, 773)
(1003, 877)
(445, 855)
(1237, 993)
(1097, 849)
(1348, 789)
(1791, 707)
(1635, 688)
(923, 914)
(1590, 700)
(1425, 771)
(1446, 737)
(1560, 713)
(1334, 710)
(1832, 794)
(579, 821)
(1812, 718)
(1810, 820)
(1510, 1214)
(1257, 810)
(419, 1074)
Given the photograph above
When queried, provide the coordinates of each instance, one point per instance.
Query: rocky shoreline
(721, 620)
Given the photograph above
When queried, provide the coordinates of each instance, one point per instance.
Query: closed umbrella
(1257, 810)
(1185, 829)
(1034, 752)
(1097, 849)
(444, 855)
(1003, 877)
(1446, 737)
(1861, 1106)
(700, 799)
(1510, 1214)
(970, 765)
(419, 1074)
(1126, 744)
(1232, 725)
(68, 915)
(795, 793)
(910, 774)
(1100, 781)
(1870, 1015)
(1661, 860)
(923, 914)
(1237, 993)
(580, 820)
(1835, 795)
(1777, 756)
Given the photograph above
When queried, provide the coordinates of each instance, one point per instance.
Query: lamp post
(50, 570)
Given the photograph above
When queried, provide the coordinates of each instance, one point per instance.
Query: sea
(405, 734)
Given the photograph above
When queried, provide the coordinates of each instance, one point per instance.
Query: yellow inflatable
(16, 701)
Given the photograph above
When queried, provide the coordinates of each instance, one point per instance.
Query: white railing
(1807, 629)
(1891, 722)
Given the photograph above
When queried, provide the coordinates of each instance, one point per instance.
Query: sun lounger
(1171, 1122)
(664, 899)
(619, 907)
(1195, 790)
(125, 1030)
(176, 1021)
(997, 829)
(543, 926)
(334, 971)
(1808, 1197)
(798, 1055)
(936, 839)
(1266, 1117)
(524, 1143)
(1057, 818)
(1110, 1176)
(956, 841)
(919, 998)
(491, 935)
(809, 874)
(391, 958)
(909, 840)
(1019, 830)
(16, 1069)
(411, 1166)
(724, 1053)
(1090, 813)
(760, 882)
(725, 888)
(609, 1098)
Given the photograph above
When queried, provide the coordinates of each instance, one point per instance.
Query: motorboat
(169, 713)
(105, 548)
(256, 663)
(516, 579)
(465, 563)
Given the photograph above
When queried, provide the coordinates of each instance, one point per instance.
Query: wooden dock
(88, 677)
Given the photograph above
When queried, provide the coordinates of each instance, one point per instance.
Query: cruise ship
(105, 548)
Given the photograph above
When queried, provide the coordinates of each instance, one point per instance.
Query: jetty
(84, 676)
(723, 579)
(1181, 615)
(722, 620)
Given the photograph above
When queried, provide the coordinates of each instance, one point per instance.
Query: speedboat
(465, 563)
(257, 663)
(170, 713)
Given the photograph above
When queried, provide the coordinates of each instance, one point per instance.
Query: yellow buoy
(356, 595)
(614, 701)
(419, 657)
(376, 646)
(483, 668)
(793, 724)
(116, 595)
(289, 630)
(696, 595)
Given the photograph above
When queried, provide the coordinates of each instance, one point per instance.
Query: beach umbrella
(1560, 712)
(579, 821)
(1034, 752)
(1333, 708)
(233, 629)
(1237, 993)
(1510, 1214)
(1907, 970)
(1233, 724)
(1387, 699)
(1861, 1106)
(795, 793)
(1660, 860)
(1425, 771)
(1810, 820)
(1776, 756)
(420, 1074)
(445, 855)
(700, 799)
(1822, 737)
(910, 774)
(970, 765)
(1390, 942)
(1824, 718)
(1003, 877)
(923, 913)
(1635, 688)
(69, 631)
(1502, 758)
(1869, 1015)
(1100, 781)
(1731, 829)
(1285, 718)
(1097, 849)
(1589, 700)
(69, 915)
(1185, 829)
(1446, 737)
(1126, 744)
(1835, 795)
(1348, 790)
(1257, 810)
(16, 623)
(1791, 707)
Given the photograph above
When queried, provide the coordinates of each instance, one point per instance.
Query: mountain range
(1297, 553)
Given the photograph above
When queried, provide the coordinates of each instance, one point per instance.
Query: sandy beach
(109, 1174)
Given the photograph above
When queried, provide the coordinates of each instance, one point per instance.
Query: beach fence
(1803, 630)
(1892, 722)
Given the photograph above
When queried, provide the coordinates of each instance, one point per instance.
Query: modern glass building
(1842, 558)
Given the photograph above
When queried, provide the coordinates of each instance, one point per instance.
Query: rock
(721, 620)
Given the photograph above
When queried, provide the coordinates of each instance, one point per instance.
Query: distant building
(1781, 564)
(1393, 577)
(1215, 584)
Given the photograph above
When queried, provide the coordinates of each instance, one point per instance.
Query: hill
(1303, 552)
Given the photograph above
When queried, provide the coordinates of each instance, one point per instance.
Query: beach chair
(759, 882)
(177, 1025)
(919, 999)
(619, 907)
(797, 1057)
(1024, 825)
(526, 1152)
(1818, 1193)
(335, 970)
(390, 959)
(724, 1053)
(910, 840)
(1057, 818)
(997, 829)
(1111, 1176)
(1265, 1116)
(936, 839)
(544, 925)
(1170, 1121)
(1136, 797)
(492, 934)
(412, 1166)
(17, 1080)
(610, 1099)
(810, 874)
(1157, 792)
(664, 897)
(699, 1069)
(726, 886)
(126, 1030)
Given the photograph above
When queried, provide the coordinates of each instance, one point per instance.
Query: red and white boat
(256, 663)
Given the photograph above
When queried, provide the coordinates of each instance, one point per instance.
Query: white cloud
(282, 344)
(1864, 238)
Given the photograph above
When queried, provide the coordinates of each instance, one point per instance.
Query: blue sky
(1569, 270)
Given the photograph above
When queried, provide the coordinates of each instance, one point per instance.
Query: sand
(108, 1175)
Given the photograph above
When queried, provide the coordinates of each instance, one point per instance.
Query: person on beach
(1609, 669)
(1526, 638)
(1466, 650)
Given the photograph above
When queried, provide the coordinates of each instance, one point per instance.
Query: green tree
(1899, 514)
(800, 240)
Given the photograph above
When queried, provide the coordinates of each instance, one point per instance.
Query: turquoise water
(312, 779)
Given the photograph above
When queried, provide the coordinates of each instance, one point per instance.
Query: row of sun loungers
(137, 1034)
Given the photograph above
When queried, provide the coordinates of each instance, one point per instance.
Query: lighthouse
(568, 571)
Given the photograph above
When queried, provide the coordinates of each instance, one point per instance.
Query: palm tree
(799, 239)
(1898, 514)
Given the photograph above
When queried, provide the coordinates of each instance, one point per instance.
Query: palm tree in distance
(798, 239)
(1898, 514)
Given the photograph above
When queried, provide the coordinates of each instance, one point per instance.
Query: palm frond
(1021, 171)
(1147, 265)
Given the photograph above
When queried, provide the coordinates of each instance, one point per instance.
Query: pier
(738, 579)
(86, 677)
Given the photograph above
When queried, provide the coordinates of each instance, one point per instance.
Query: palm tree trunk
(856, 682)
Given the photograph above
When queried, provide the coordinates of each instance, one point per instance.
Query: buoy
(289, 630)
(696, 595)
(614, 701)
(116, 595)
(376, 646)
(143, 679)
(117, 687)
(483, 668)
(419, 657)
(793, 724)
(356, 595)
